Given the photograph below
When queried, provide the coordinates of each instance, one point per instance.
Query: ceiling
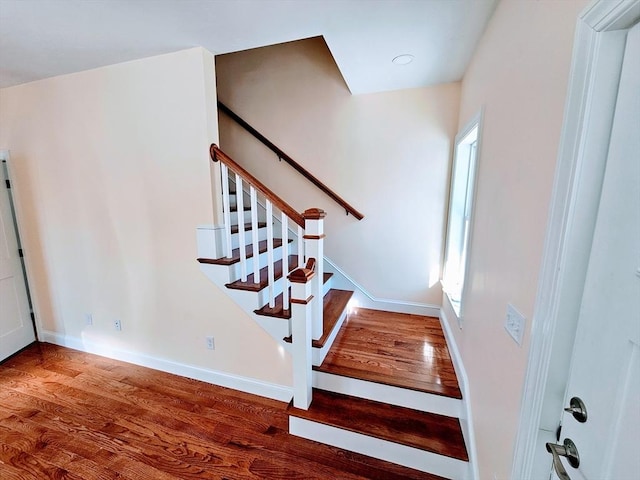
(45, 38)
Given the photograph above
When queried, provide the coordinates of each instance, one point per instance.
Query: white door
(16, 327)
(605, 371)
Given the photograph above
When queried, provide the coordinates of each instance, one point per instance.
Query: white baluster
(241, 232)
(285, 260)
(300, 247)
(254, 235)
(270, 262)
(224, 171)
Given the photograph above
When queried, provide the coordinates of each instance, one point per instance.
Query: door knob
(567, 449)
(578, 409)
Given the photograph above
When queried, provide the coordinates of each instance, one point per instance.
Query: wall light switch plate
(515, 324)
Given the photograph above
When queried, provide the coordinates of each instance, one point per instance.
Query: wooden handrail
(288, 210)
(283, 156)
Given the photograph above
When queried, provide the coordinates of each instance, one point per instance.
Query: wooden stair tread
(235, 209)
(250, 286)
(277, 311)
(247, 227)
(334, 304)
(326, 276)
(235, 254)
(425, 431)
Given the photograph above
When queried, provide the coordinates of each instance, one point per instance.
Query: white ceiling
(45, 38)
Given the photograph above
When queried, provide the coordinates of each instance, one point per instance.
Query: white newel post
(302, 302)
(314, 248)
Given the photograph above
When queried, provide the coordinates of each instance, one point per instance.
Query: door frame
(14, 193)
(595, 73)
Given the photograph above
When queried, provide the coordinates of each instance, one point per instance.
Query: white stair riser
(425, 402)
(248, 301)
(327, 286)
(263, 295)
(318, 354)
(234, 271)
(262, 235)
(248, 237)
(246, 216)
(411, 457)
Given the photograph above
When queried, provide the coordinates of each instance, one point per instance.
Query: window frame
(472, 181)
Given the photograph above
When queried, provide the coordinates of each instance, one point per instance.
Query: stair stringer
(278, 328)
(209, 246)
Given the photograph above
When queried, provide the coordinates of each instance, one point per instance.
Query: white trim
(367, 300)
(466, 418)
(383, 449)
(378, 392)
(210, 240)
(244, 384)
(581, 159)
(5, 154)
(446, 300)
(476, 120)
(319, 354)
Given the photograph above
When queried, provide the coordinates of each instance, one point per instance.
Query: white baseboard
(383, 449)
(244, 384)
(466, 420)
(367, 300)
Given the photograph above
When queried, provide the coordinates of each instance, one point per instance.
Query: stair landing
(396, 349)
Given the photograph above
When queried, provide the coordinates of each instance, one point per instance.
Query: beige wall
(112, 177)
(519, 73)
(387, 154)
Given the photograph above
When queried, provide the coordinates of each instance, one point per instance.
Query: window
(463, 179)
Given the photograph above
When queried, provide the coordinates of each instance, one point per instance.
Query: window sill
(455, 307)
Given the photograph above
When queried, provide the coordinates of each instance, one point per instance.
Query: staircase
(377, 383)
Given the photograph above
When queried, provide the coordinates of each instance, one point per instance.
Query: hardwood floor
(397, 349)
(70, 415)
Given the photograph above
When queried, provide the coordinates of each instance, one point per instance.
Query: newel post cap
(304, 275)
(314, 214)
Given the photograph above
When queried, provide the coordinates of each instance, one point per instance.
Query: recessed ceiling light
(404, 59)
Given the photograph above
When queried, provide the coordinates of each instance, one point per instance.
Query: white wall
(112, 176)
(519, 73)
(387, 154)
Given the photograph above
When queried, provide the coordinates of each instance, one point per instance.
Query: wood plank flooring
(70, 415)
(396, 349)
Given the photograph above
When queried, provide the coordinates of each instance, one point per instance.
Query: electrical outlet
(88, 319)
(117, 324)
(514, 324)
(211, 344)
